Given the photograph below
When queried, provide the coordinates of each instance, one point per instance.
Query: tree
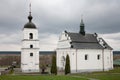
(67, 65)
(54, 67)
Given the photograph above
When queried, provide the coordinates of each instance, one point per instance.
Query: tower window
(31, 46)
(71, 46)
(86, 57)
(98, 57)
(31, 36)
(31, 54)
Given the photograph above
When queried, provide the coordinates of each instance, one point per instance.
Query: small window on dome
(31, 36)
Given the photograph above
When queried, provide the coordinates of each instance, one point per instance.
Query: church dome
(30, 24)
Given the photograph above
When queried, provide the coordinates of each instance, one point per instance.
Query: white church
(87, 52)
(30, 48)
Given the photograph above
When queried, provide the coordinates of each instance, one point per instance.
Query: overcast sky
(52, 17)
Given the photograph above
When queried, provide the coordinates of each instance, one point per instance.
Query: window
(71, 46)
(86, 57)
(31, 54)
(31, 36)
(98, 57)
(70, 42)
(31, 46)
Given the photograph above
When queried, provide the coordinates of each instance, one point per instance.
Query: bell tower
(30, 47)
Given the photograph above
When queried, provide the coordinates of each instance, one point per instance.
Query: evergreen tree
(67, 65)
(54, 67)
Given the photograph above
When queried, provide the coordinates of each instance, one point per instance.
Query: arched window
(86, 57)
(31, 36)
(98, 56)
(31, 54)
(31, 46)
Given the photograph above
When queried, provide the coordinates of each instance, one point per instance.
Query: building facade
(87, 52)
(30, 47)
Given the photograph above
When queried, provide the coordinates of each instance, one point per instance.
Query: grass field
(98, 76)
(107, 75)
(102, 76)
(40, 77)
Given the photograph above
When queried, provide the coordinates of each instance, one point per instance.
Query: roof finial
(82, 18)
(30, 17)
(30, 8)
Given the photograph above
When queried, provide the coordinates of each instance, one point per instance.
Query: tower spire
(30, 8)
(30, 17)
(82, 27)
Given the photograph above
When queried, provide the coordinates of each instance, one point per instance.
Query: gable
(79, 41)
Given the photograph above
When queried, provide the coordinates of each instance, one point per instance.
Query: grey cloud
(99, 16)
(55, 16)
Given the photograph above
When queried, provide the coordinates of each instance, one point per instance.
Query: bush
(67, 65)
(54, 67)
(11, 71)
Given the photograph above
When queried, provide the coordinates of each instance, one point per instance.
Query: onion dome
(30, 24)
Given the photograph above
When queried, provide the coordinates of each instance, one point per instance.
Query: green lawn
(99, 76)
(107, 75)
(102, 76)
(40, 77)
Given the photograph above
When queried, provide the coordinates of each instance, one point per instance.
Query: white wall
(108, 59)
(78, 62)
(64, 41)
(92, 63)
(27, 60)
(27, 43)
(64, 53)
(30, 63)
(27, 31)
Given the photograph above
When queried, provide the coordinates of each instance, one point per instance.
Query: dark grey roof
(30, 25)
(87, 45)
(77, 37)
(87, 41)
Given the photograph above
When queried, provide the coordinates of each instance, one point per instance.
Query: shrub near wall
(67, 65)
(54, 66)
